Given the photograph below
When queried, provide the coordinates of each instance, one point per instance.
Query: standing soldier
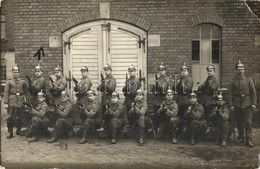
(159, 89)
(90, 115)
(132, 84)
(194, 119)
(243, 102)
(36, 85)
(14, 94)
(209, 90)
(83, 86)
(107, 87)
(64, 123)
(117, 115)
(219, 119)
(138, 115)
(168, 116)
(57, 85)
(39, 122)
(184, 89)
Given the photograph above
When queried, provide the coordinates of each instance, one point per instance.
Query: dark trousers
(182, 110)
(116, 125)
(208, 109)
(38, 126)
(196, 128)
(155, 117)
(15, 115)
(172, 123)
(62, 126)
(243, 118)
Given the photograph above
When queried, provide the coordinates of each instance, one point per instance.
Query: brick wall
(36, 20)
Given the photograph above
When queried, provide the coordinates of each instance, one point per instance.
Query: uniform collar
(168, 102)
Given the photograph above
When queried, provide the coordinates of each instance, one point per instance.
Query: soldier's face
(107, 72)
(240, 71)
(220, 102)
(16, 73)
(114, 99)
(169, 96)
(58, 74)
(64, 98)
(38, 73)
(84, 73)
(91, 97)
(131, 73)
(211, 72)
(162, 72)
(184, 72)
(41, 99)
(139, 96)
(193, 100)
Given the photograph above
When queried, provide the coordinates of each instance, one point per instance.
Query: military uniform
(14, 93)
(107, 87)
(60, 84)
(64, 123)
(194, 120)
(242, 98)
(117, 117)
(91, 117)
(39, 122)
(138, 116)
(184, 89)
(132, 84)
(219, 120)
(168, 116)
(82, 88)
(208, 92)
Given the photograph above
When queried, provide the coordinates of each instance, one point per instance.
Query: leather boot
(223, 143)
(10, 129)
(249, 142)
(84, 137)
(18, 127)
(33, 139)
(113, 140)
(192, 141)
(53, 138)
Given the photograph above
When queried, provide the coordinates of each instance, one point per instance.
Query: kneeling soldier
(39, 122)
(91, 115)
(117, 115)
(138, 114)
(219, 119)
(194, 119)
(64, 123)
(168, 115)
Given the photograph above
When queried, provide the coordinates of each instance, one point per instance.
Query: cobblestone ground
(18, 153)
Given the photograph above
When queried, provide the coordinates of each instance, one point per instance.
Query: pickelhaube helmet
(107, 67)
(210, 66)
(38, 67)
(91, 92)
(193, 94)
(239, 65)
(184, 66)
(169, 91)
(131, 68)
(161, 67)
(115, 93)
(84, 68)
(140, 91)
(15, 68)
(64, 92)
(41, 94)
(58, 68)
(220, 97)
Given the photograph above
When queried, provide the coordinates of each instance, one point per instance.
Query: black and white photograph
(145, 84)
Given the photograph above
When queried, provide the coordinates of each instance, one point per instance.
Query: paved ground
(99, 154)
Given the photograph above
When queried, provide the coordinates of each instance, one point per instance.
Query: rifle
(152, 125)
(156, 83)
(29, 79)
(126, 84)
(102, 77)
(74, 80)
(52, 82)
(141, 79)
(81, 106)
(31, 89)
(175, 84)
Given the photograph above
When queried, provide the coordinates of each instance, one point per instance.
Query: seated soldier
(117, 116)
(219, 119)
(168, 116)
(64, 123)
(194, 119)
(138, 116)
(39, 122)
(90, 115)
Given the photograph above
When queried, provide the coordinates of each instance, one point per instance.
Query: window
(2, 26)
(206, 44)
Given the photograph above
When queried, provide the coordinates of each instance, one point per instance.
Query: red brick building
(140, 32)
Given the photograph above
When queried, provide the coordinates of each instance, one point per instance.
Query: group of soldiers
(177, 109)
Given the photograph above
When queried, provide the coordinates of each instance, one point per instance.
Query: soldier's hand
(253, 106)
(232, 108)
(6, 106)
